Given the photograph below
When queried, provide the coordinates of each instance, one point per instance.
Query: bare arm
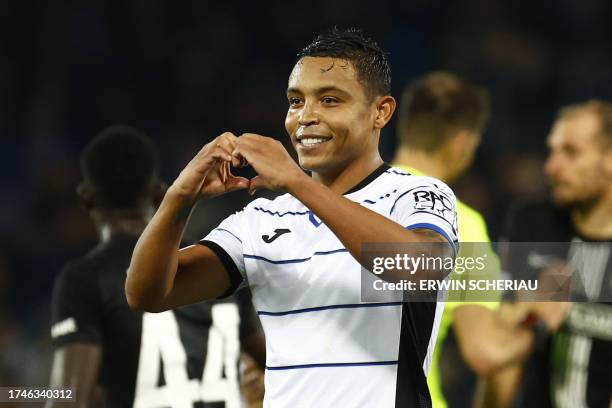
(487, 342)
(339, 214)
(160, 277)
(351, 222)
(77, 366)
(499, 389)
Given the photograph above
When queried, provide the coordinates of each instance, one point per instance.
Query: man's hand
(208, 173)
(275, 168)
(552, 313)
(251, 382)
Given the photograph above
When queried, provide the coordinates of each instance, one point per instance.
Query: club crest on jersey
(437, 203)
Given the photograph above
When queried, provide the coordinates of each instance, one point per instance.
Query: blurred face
(330, 120)
(575, 164)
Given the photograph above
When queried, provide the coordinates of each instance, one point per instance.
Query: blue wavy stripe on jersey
(286, 261)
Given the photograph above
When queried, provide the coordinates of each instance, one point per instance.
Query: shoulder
(77, 269)
(537, 213)
(80, 273)
(537, 220)
(406, 180)
(531, 208)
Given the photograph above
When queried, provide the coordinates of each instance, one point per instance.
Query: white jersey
(325, 347)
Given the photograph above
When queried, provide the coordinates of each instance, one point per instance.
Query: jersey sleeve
(226, 241)
(75, 309)
(427, 203)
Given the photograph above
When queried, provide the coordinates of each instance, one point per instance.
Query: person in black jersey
(182, 358)
(570, 363)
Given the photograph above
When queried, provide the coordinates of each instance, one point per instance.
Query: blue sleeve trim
(437, 229)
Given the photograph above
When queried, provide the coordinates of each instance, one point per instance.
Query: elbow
(134, 301)
(138, 301)
(137, 304)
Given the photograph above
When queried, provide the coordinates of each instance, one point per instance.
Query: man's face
(575, 165)
(330, 118)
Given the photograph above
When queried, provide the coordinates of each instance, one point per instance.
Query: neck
(113, 223)
(346, 178)
(595, 220)
(430, 164)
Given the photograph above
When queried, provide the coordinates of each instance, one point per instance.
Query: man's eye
(294, 101)
(329, 99)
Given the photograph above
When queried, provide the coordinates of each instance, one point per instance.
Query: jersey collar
(370, 178)
(409, 169)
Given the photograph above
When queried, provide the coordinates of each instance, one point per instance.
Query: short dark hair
(367, 58)
(121, 163)
(601, 109)
(436, 106)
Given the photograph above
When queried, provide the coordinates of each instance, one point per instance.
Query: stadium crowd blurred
(187, 71)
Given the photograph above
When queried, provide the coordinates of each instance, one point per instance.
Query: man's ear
(87, 195)
(465, 141)
(385, 106)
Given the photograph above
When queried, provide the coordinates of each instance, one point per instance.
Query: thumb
(236, 183)
(256, 183)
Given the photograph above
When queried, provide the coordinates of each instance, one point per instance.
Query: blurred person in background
(441, 121)
(570, 364)
(182, 358)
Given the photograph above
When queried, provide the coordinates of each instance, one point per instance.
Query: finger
(238, 160)
(227, 140)
(225, 169)
(220, 155)
(250, 379)
(236, 183)
(228, 136)
(256, 183)
(248, 150)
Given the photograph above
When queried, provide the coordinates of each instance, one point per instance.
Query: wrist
(177, 200)
(298, 183)
(178, 194)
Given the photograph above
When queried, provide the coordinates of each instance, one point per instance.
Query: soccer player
(300, 253)
(182, 358)
(571, 367)
(441, 121)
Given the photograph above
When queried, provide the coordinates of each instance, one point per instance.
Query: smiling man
(301, 253)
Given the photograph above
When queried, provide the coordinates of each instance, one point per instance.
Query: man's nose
(309, 115)
(551, 166)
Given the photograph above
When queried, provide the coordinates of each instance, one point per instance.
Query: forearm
(510, 346)
(355, 225)
(155, 258)
(499, 389)
(352, 223)
(487, 342)
(76, 366)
